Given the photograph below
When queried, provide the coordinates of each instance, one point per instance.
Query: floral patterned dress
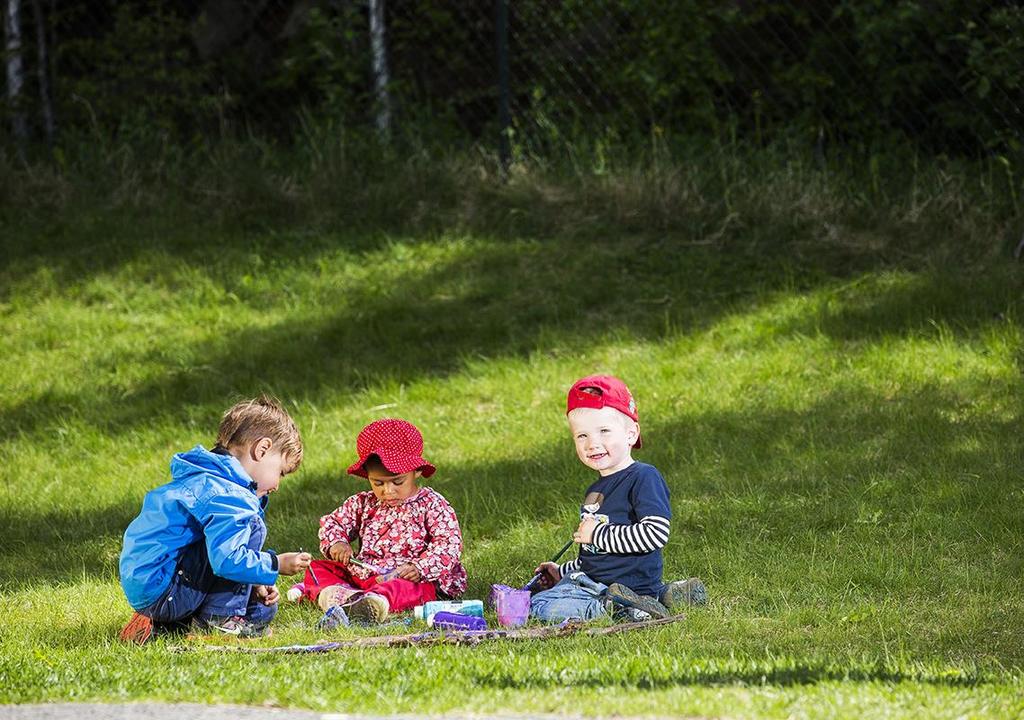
(422, 530)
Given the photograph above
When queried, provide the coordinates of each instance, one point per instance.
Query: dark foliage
(947, 76)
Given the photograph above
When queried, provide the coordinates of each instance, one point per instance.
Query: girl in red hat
(410, 543)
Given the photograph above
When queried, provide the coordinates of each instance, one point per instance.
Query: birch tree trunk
(381, 76)
(43, 72)
(15, 71)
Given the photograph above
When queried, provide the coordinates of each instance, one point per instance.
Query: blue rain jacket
(210, 498)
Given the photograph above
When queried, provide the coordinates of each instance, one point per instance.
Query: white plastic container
(464, 607)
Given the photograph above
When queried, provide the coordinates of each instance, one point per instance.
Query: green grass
(830, 381)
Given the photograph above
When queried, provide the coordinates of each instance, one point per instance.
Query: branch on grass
(467, 637)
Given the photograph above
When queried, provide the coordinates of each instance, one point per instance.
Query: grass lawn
(831, 385)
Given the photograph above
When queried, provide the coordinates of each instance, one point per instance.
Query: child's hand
(584, 534)
(549, 575)
(408, 572)
(267, 594)
(293, 562)
(340, 551)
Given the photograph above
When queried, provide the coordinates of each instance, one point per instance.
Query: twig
(466, 637)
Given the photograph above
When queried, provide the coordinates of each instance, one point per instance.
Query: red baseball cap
(397, 443)
(599, 391)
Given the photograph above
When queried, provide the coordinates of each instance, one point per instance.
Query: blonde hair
(247, 421)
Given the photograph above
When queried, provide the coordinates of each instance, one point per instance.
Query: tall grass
(708, 191)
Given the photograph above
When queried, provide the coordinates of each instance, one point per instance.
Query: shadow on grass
(505, 300)
(787, 676)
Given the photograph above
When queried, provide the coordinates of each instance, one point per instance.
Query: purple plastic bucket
(513, 607)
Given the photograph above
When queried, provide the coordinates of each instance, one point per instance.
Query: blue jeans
(575, 596)
(195, 592)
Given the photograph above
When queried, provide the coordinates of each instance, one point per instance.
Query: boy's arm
(648, 535)
(650, 502)
(568, 567)
(343, 524)
(227, 526)
(445, 546)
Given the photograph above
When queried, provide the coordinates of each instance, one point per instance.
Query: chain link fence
(521, 76)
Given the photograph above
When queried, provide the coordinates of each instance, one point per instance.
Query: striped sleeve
(568, 567)
(648, 535)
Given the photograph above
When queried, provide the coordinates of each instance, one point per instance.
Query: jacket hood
(199, 460)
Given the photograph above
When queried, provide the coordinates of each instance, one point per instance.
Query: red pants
(401, 594)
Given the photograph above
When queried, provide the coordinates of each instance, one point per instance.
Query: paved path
(162, 711)
(155, 711)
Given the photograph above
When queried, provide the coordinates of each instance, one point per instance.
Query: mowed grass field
(829, 380)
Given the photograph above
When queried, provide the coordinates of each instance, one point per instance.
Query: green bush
(945, 77)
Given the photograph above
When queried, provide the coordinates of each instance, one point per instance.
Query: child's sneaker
(139, 630)
(369, 609)
(236, 625)
(623, 602)
(684, 592)
(333, 619)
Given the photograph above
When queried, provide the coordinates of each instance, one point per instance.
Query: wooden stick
(465, 637)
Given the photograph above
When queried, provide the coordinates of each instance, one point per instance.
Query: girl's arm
(444, 549)
(342, 525)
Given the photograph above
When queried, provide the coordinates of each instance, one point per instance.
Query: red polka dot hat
(397, 443)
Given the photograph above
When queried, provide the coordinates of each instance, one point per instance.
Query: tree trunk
(15, 72)
(43, 72)
(381, 77)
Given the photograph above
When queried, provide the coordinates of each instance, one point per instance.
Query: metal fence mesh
(948, 75)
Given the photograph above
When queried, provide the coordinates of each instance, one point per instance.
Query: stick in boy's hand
(293, 562)
(547, 572)
(316, 580)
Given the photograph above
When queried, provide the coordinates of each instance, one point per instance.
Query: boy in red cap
(624, 520)
(410, 543)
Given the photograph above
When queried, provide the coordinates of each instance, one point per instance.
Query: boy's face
(265, 465)
(604, 438)
(389, 488)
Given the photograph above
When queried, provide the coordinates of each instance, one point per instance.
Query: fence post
(43, 73)
(15, 72)
(504, 113)
(381, 76)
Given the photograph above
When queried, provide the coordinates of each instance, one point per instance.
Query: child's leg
(332, 595)
(227, 598)
(683, 593)
(190, 586)
(258, 613)
(569, 599)
(371, 602)
(328, 583)
(403, 594)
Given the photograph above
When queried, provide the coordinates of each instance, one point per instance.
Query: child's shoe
(333, 619)
(684, 592)
(236, 625)
(139, 630)
(371, 608)
(622, 602)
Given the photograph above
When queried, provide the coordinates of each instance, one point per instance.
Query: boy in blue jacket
(194, 554)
